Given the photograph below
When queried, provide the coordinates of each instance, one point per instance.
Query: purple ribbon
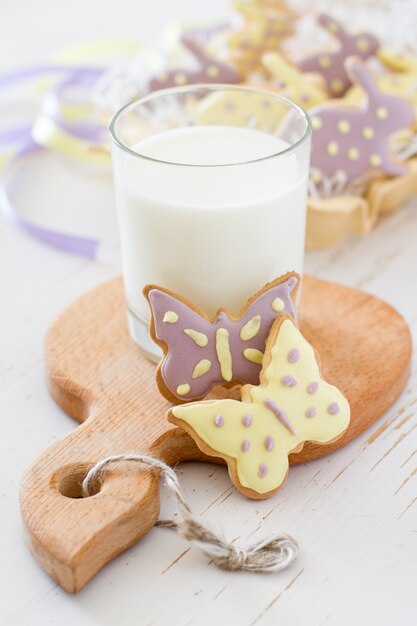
(86, 131)
(83, 73)
(15, 135)
(75, 244)
(73, 76)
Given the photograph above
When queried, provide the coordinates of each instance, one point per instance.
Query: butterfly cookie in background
(331, 64)
(200, 353)
(404, 63)
(291, 405)
(300, 87)
(350, 142)
(241, 108)
(261, 30)
(208, 70)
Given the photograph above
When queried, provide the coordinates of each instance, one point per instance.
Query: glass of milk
(211, 191)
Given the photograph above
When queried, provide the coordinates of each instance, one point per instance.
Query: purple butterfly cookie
(331, 65)
(209, 70)
(200, 353)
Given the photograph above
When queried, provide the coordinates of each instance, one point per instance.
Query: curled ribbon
(75, 244)
(62, 126)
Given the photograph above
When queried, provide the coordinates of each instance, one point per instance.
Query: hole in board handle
(69, 480)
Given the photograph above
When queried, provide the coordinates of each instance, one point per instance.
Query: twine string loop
(272, 554)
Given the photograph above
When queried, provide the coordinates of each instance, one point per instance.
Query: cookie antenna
(333, 27)
(360, 75)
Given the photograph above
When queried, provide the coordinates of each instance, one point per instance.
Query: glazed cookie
(400, 80)
(331, 65)
(200, 353)
(209, 70)
(260, 31)
(254, 109)
(291, 405)
(348, 142)
(297, 85)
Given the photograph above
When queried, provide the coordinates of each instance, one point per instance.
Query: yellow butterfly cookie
(260, 31)
(241, 108)
(292, 405)
(298, 86)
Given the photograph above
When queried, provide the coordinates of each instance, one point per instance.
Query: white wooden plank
(354, 512)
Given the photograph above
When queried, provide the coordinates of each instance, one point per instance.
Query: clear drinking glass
(211, 192)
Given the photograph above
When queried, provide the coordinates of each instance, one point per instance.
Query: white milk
(215, 235)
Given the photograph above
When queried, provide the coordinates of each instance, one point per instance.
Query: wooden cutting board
(99, 376)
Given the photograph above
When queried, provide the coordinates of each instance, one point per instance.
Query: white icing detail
(253, 355)
(278, 305)
(182, 390)
(223, 353)
(199, 338)
(201, 368)
(170, 317)
(251, 328)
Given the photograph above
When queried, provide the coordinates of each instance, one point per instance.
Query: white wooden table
(354, 512)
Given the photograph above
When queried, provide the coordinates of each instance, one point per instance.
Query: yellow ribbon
(47, 133)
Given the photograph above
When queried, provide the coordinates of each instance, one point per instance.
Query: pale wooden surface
(97, 375)
(354, 512)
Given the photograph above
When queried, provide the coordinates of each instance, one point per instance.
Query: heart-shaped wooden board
(99, 376)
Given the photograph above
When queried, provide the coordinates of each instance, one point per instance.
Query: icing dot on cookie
(310, 412)
(333, 408)
(293, 355)
(278, 305)
(263, 470)
(381, 113)
(245, 445)
(253, 355)
(362, 44)
(288, 381)
(182, 390)
(170, 317)
(368, 132)
(199, 338)
(332, 148)
(269, 443)
(312, 388)
(162, 77)
(180, 78)
(201, 368)
(251, 328)
(325, 61)
(332, 27)
(336, 85)
(219, 421)
(316, 177)
(229, 106)
(316, 122)
(212, 71)
(353, 154)
(247, 420)
(375, 160)
(343, 127)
